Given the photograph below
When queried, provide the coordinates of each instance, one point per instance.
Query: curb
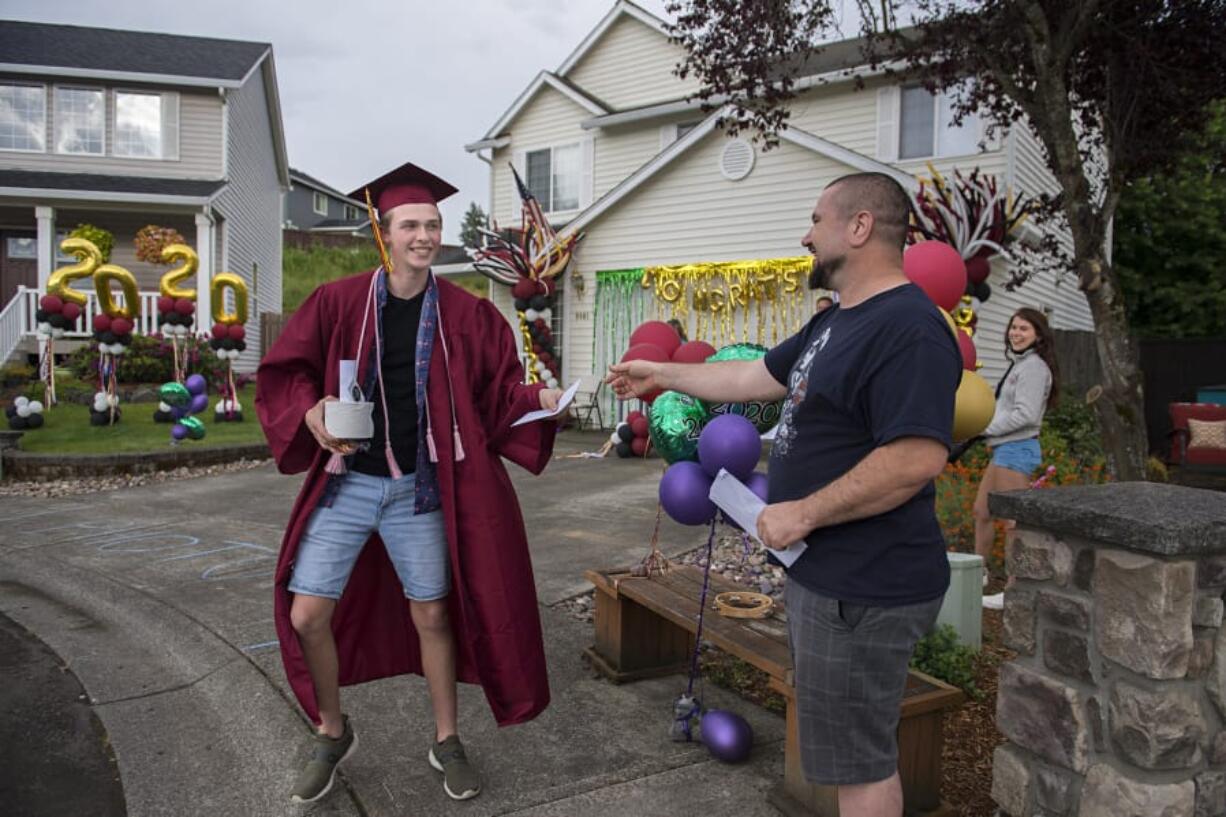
(23, 465)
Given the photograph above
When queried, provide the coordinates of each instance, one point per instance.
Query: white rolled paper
(349, 421)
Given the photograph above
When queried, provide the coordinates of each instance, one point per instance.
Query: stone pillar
(1116, 703)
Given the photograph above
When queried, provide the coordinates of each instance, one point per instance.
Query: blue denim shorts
(335, 536)
(1022, 456)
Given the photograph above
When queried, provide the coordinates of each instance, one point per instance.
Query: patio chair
(591, 389)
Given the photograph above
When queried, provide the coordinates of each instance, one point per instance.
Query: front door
(18, 262)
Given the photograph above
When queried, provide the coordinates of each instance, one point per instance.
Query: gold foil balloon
(89, 258)
(103, 277)
(953, 327)
(217, 290)
(169, 287)
(973, 407)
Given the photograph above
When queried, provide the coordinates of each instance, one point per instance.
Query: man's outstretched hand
(634, 378)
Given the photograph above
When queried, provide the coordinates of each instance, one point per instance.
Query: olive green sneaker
(460, 779)
(327, 753)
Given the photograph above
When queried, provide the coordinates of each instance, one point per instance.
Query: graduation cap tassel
(374, 228)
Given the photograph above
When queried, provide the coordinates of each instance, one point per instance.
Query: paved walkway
(159, 599)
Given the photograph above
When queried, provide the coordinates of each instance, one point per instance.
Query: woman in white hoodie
(1026, 391)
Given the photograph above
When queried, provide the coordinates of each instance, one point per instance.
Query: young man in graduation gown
(405, 554)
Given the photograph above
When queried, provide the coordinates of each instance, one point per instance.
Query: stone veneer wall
(1116, 703)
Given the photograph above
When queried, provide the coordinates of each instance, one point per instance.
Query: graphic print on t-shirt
(798, 389)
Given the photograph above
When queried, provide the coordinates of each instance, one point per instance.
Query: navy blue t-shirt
(858, 378)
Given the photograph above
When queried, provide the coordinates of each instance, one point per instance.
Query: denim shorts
(335, 536)
(1022, 456)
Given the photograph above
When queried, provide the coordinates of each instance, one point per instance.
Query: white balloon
(181, 330)
(234, 354)
(546, 314)
(100, 404)
(44, 328)
(221, 353)
(24, 411)
(99, 395)
(553, 383)
(36, 407)
(167, 329)
(21, 401)
(118, 348)
(57, 333)
(615, 438)
(531, 315)
(164, 407)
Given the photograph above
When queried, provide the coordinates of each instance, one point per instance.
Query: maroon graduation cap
(407, 184)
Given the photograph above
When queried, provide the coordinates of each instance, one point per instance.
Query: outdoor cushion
(1180, 414)
(1206, 433)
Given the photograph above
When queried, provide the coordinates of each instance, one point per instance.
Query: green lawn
(67, 430)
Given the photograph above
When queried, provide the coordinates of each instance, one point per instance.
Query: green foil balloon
(175, 395)
(674, 423)
(762, 415)
(195, 428)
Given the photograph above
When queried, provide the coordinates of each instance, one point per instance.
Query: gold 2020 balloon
(973, 407)
(89, 258)
(169, 287)
(217, 291)
(106, 299)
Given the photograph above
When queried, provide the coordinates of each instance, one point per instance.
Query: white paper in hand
(744, 507)
(565, 400)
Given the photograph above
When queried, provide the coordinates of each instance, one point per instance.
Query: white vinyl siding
(197, 143)
(631, 66)
(23, 117)
(80, 121)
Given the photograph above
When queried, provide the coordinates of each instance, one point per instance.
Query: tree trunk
(1121, 406)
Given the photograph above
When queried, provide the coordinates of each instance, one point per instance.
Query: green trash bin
(963, 605)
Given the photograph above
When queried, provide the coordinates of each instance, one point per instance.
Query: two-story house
(610, 144)
(314, 206)
(121, 129)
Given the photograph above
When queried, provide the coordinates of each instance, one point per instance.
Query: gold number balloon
(103, 277)
(217, 290)
(169, 287)
(88, 260)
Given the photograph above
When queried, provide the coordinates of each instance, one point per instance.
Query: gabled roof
(665, 157)
(566, 88)
(106, 53)
(98, 187)
(297, 175)
(620, 9)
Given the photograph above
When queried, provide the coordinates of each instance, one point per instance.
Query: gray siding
(124, 225)
(251, 206)
(200, 137)
(300, 209)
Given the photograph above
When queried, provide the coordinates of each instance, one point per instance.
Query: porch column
(204, 273)
(46, 244)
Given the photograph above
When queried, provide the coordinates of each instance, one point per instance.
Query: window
(21, 248)
(80, 121)
(925, 126)
(553, 176)
(146, 125)
(23, 118)
(351, 213)
(319, 203)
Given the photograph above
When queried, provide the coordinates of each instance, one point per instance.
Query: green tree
(1107, 86)
(475, 220)
(1170, 241)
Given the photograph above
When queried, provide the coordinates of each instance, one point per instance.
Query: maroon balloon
(102, 323)
(166, 304)
(634, 415)
(978, 269)
(695, 351)
(51, 303)
(683, 493)
(657, 333)
(639, 446)
(185, 306)
(236, 332)
(219, 331)
(967, 346)
(71, 311)
(936, 268)
(647, 351)
(524, 288)
(639, 427)
(121, 326)
(731, 442)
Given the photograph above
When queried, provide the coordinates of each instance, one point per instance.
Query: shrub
(100, 238)
(1074, 427)
(14, 374)
(942, 656)
(151, 240)
(150, 359)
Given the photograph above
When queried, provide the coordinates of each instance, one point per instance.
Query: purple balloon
(196, 384)
(759, 484)
(683, 493)
(727, 735)
(729, 441)
(179, 412)
(178, 431)
(199, 403)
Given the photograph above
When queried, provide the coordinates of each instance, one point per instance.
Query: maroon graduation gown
(493, 603)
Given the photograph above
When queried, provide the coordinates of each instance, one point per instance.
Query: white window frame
(935, 152)
(42, 87)
(586, 148)
(8, 246)
(170, 130)
(55, 124)
(352, 213)
(316, 198)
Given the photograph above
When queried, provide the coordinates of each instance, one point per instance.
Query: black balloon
(539, 302)
(17, 423)
(625, 432)
(240, 345)
(40, 315)
(624, 450)
(10, 411)
(57, 321)
(34, 421)
(521, 304)
(227, 343)
(108, 337)
(983, 291)
(97, 418)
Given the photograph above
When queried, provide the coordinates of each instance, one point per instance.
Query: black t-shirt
(858, 378)
(400, 320)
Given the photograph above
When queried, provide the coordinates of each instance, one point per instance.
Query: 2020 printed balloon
(763, 415)
(674, 425)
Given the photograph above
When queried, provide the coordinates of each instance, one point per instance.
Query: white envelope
(744, 507)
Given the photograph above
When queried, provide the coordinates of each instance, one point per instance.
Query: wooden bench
(645, 628)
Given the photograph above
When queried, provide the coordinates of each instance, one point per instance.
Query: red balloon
(524, 288)
(978, 269)
(540, 323)
(219, 331)
(102, 323)
(967, 346)
(166, 304)
(647, 351)
(659, 333)
(236, 332)
(545, 358)
(639, 426)
(71, 311)
(639, 445)
(536, 348)
(936, 268)
(185, 307)
(51, 303)
(634, 415)
(695, 351)
(121, 326)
